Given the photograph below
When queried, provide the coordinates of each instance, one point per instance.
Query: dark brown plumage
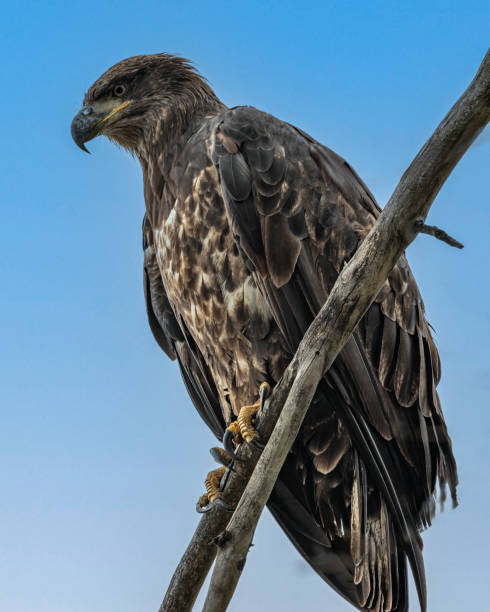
(248, 223)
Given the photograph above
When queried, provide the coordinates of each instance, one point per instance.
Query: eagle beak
(83, 126)
(88, 123)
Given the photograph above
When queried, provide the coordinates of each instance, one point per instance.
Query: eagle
(248, 223)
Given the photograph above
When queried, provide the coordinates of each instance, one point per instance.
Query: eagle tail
(329, 561)
(378, 582)
(369, 451)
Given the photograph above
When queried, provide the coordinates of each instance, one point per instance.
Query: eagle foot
(214, 482)
(242, 428)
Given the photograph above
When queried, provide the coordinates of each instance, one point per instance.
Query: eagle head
(138, 93)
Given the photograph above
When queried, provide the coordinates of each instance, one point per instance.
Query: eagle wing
(298, 212)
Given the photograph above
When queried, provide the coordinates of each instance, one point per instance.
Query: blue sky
(102, 456)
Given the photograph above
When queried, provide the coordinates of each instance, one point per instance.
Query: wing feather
(298, 212)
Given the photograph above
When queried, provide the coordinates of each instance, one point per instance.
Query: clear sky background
(102, 456)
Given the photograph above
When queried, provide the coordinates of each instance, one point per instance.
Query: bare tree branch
(437, 232)
(195, 563)
(353, 292)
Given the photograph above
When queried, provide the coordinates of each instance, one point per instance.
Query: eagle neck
(174, 120)
(163, 143)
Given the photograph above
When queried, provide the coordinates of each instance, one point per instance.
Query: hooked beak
(88, 123)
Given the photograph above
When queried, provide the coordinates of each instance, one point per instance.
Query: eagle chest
(209, 285)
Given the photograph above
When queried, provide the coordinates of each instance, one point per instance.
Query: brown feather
(250, 221)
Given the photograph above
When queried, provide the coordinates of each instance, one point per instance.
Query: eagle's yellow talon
(242, 428)
(234, 428)
(212, 484)
(203, 500)
(236, 432)
(244, 421)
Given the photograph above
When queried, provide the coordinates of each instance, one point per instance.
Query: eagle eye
(119, 90)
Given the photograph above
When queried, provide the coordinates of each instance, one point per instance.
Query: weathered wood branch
(352, 294)
(195, 563)
(437, 232)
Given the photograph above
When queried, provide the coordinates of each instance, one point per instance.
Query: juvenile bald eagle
(248, 223)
